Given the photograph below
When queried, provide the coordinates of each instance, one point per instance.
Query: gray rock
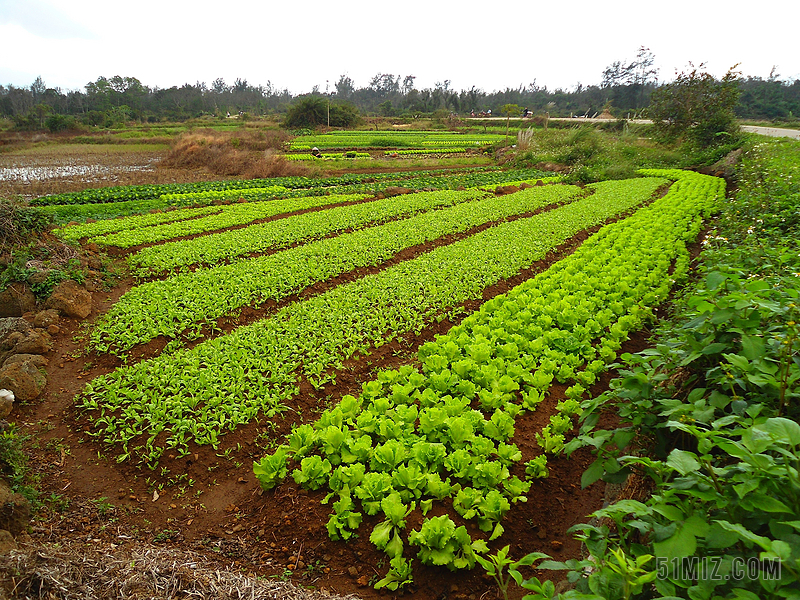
(11, 325)
(6, 403)
(36, 342)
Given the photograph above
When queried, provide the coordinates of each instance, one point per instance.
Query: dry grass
(245, 154)
(524, 138)
(77, 571)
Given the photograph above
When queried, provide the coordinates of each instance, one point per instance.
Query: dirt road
(772, 131)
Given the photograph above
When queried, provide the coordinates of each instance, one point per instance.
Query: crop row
(328, 156)
(73, 233)
(420, 180)
(171, 306)
(435, 150)
(152, 192)
(64, 214)
(216, 247)
(521, 182)
(199, 394)
(106, 203)
(444, 432)
(230, 216)
(253, 193)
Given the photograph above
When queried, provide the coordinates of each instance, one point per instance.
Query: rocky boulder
(36, 359)
(24, 380)
(20, 343)
(70, 299)
(37, 341)
(16, 300)
(45, 318)
(15, 511)
(11, 325)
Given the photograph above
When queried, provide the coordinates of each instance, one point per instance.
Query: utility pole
(327, 83)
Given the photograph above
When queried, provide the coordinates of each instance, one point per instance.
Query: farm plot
(393, 139)
(152, 228)
(108, 203)
(431, 459)
(171, 306)
(227, 245)
(439, 438)
(196, 395)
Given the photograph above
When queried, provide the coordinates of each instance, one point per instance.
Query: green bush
(56, 123)
(14, 464)
(696, 108)
(19, 222)
(313, 112)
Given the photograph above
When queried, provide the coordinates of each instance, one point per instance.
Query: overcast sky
(300, 44)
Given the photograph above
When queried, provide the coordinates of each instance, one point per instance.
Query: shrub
(56, 123)
(313, 112)
(696, 108)
(14, 464)
(18, 222)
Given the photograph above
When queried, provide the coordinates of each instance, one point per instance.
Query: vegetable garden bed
(344, 391)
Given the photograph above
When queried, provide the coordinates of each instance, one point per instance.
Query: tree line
(626, 90)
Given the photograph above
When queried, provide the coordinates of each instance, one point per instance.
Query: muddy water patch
(88, 172)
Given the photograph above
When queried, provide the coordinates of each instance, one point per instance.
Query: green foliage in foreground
(718, 399)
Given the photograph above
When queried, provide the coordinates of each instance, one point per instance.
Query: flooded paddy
(52, 169)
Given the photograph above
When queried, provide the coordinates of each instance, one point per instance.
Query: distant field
(394, 139)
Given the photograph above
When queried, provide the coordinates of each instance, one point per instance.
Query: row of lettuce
(172, 306)
(710, 418)
(162, 226)
(196, 395)
(366, 155)
(440, 435)
(110, 202)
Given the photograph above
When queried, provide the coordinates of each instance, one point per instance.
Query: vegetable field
(420, 140)
(406, 367)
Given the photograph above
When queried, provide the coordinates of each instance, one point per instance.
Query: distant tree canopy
(629, 84)
(108, 102)
(696, 107)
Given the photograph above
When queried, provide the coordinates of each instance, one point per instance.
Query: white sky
(297, 44)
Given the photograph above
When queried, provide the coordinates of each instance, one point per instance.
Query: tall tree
(344, 87)
(696, 107)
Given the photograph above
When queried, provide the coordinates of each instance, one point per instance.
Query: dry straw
(74, 571)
